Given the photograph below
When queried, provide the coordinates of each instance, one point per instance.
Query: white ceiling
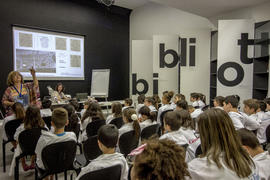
(206, 8)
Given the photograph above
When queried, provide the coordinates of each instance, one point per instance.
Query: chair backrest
(59, 157)
(90, 148)
(267, 132)
(77, 130)
(10, 128)
(148, 131)
(127, 142)
(28, 140)
(162, 116)
(205, 107)
(118, 122)
(92, 127)
(198, 151)
(48, 121)
(109, 173)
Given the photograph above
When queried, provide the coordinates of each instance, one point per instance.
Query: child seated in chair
(59, 121)
(107, 141)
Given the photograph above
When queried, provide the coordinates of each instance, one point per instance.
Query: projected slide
(55, 56)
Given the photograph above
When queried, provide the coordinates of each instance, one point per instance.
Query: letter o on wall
(239, 76)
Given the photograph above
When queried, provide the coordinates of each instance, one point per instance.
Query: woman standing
(18, 91)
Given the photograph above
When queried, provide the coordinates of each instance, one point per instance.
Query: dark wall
(106, 38)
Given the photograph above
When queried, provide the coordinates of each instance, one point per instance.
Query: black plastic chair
(128, 142)
(57, 158)
(198, 151)
(90, 151)
(118, 122)
(149, 131)
(109, 173)
(48, 121)
(93, 127)
(10, 129)
(27, 140)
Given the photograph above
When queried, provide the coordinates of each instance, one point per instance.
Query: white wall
(257, 13)
(154, 19)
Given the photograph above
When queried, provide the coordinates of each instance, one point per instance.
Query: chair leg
(56, 177)
(36, 173)
(16, 168)
(4, 155)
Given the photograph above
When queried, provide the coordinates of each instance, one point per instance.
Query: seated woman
(18, 91)
(58, 94)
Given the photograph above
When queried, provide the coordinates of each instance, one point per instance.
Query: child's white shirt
(196, 113)
(173, 105)
(152, 108)
(261, 135)
(262, 161)
(219, 107)
(18, 131)
(250, 122)
(104, 161)
(45, 112)
(7, 119)
(255, 117)
(110, 118)
(126, 128)
(175, 136)
(201, 104)
(199, 168)
(162, 109)
(236, 119)
(48, 138)
(195, 104)
(82, 112)
(146, 123)
(138, 107)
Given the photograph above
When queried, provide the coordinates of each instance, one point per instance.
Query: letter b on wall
(162, 55)
(134, 85)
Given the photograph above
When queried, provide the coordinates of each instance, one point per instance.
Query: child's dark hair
(194, 95)
(141, 98)
(46, 103)
(117, 109)
(75, 104)
(180, 96)
(262, 105)
(130, 115)
(185, 119)
(128, 101)
(33, 118)
(108, 135)
(72, 118)
(94, 111)
(182, 104)
(172, 119)
(252, 104)
(248, 138)
(232, 100)
(168, 96)
(219, 100)
(160, 160)
(59, 84)
(202, 97)
(151, 100)
(146, 111)
(18, 110)
(157, 100)
(267, 100)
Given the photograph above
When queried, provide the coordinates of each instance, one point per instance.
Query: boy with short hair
(107, 142)
(127, 103)
(250, 108)
(46, 108)
(240, 120)
(59, 121)
(252, 146)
